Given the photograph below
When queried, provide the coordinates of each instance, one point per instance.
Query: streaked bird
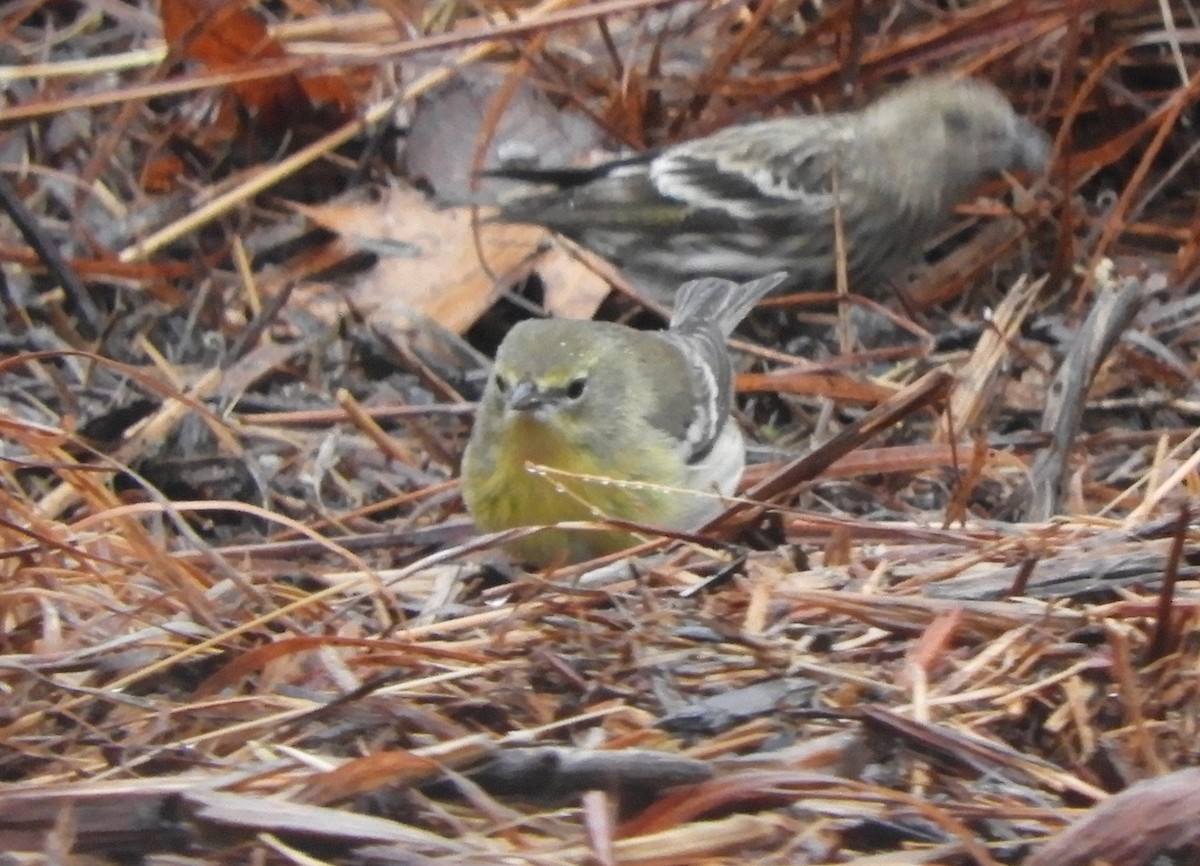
(644, 415)
(763, 197)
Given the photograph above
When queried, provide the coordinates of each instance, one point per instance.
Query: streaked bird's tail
(719, 303)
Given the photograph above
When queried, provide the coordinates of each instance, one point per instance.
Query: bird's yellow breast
(509, 490)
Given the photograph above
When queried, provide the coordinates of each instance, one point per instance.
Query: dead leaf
(223, 34)
(450, 122)
(1133, 827)
(437, 262)
(573, 290)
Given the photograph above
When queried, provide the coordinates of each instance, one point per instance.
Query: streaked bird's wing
(565, 177)
(762, 170)
(782, 167)
(617, 197)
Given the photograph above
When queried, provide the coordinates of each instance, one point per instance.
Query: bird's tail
(719, 303)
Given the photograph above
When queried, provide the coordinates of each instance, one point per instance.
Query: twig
(1115, 307)
(89, 314)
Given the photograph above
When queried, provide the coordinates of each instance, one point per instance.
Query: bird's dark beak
(1033, 147)
(524, 396)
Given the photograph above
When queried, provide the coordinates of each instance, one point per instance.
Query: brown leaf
(220, 34)
(1133, 827)
(453, 121)
(442, 265)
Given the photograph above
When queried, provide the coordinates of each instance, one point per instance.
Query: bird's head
(556, 377)
(963, 129)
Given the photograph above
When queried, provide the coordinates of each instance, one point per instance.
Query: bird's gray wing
(697, 416)
(717, 306)
(565, 177)
(622, 198)
(706, 312)
(767, 169)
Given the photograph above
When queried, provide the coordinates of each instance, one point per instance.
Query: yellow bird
(644, 415)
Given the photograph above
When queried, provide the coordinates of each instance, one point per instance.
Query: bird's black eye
(575, 388)
(501, 384)
(957, 120)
